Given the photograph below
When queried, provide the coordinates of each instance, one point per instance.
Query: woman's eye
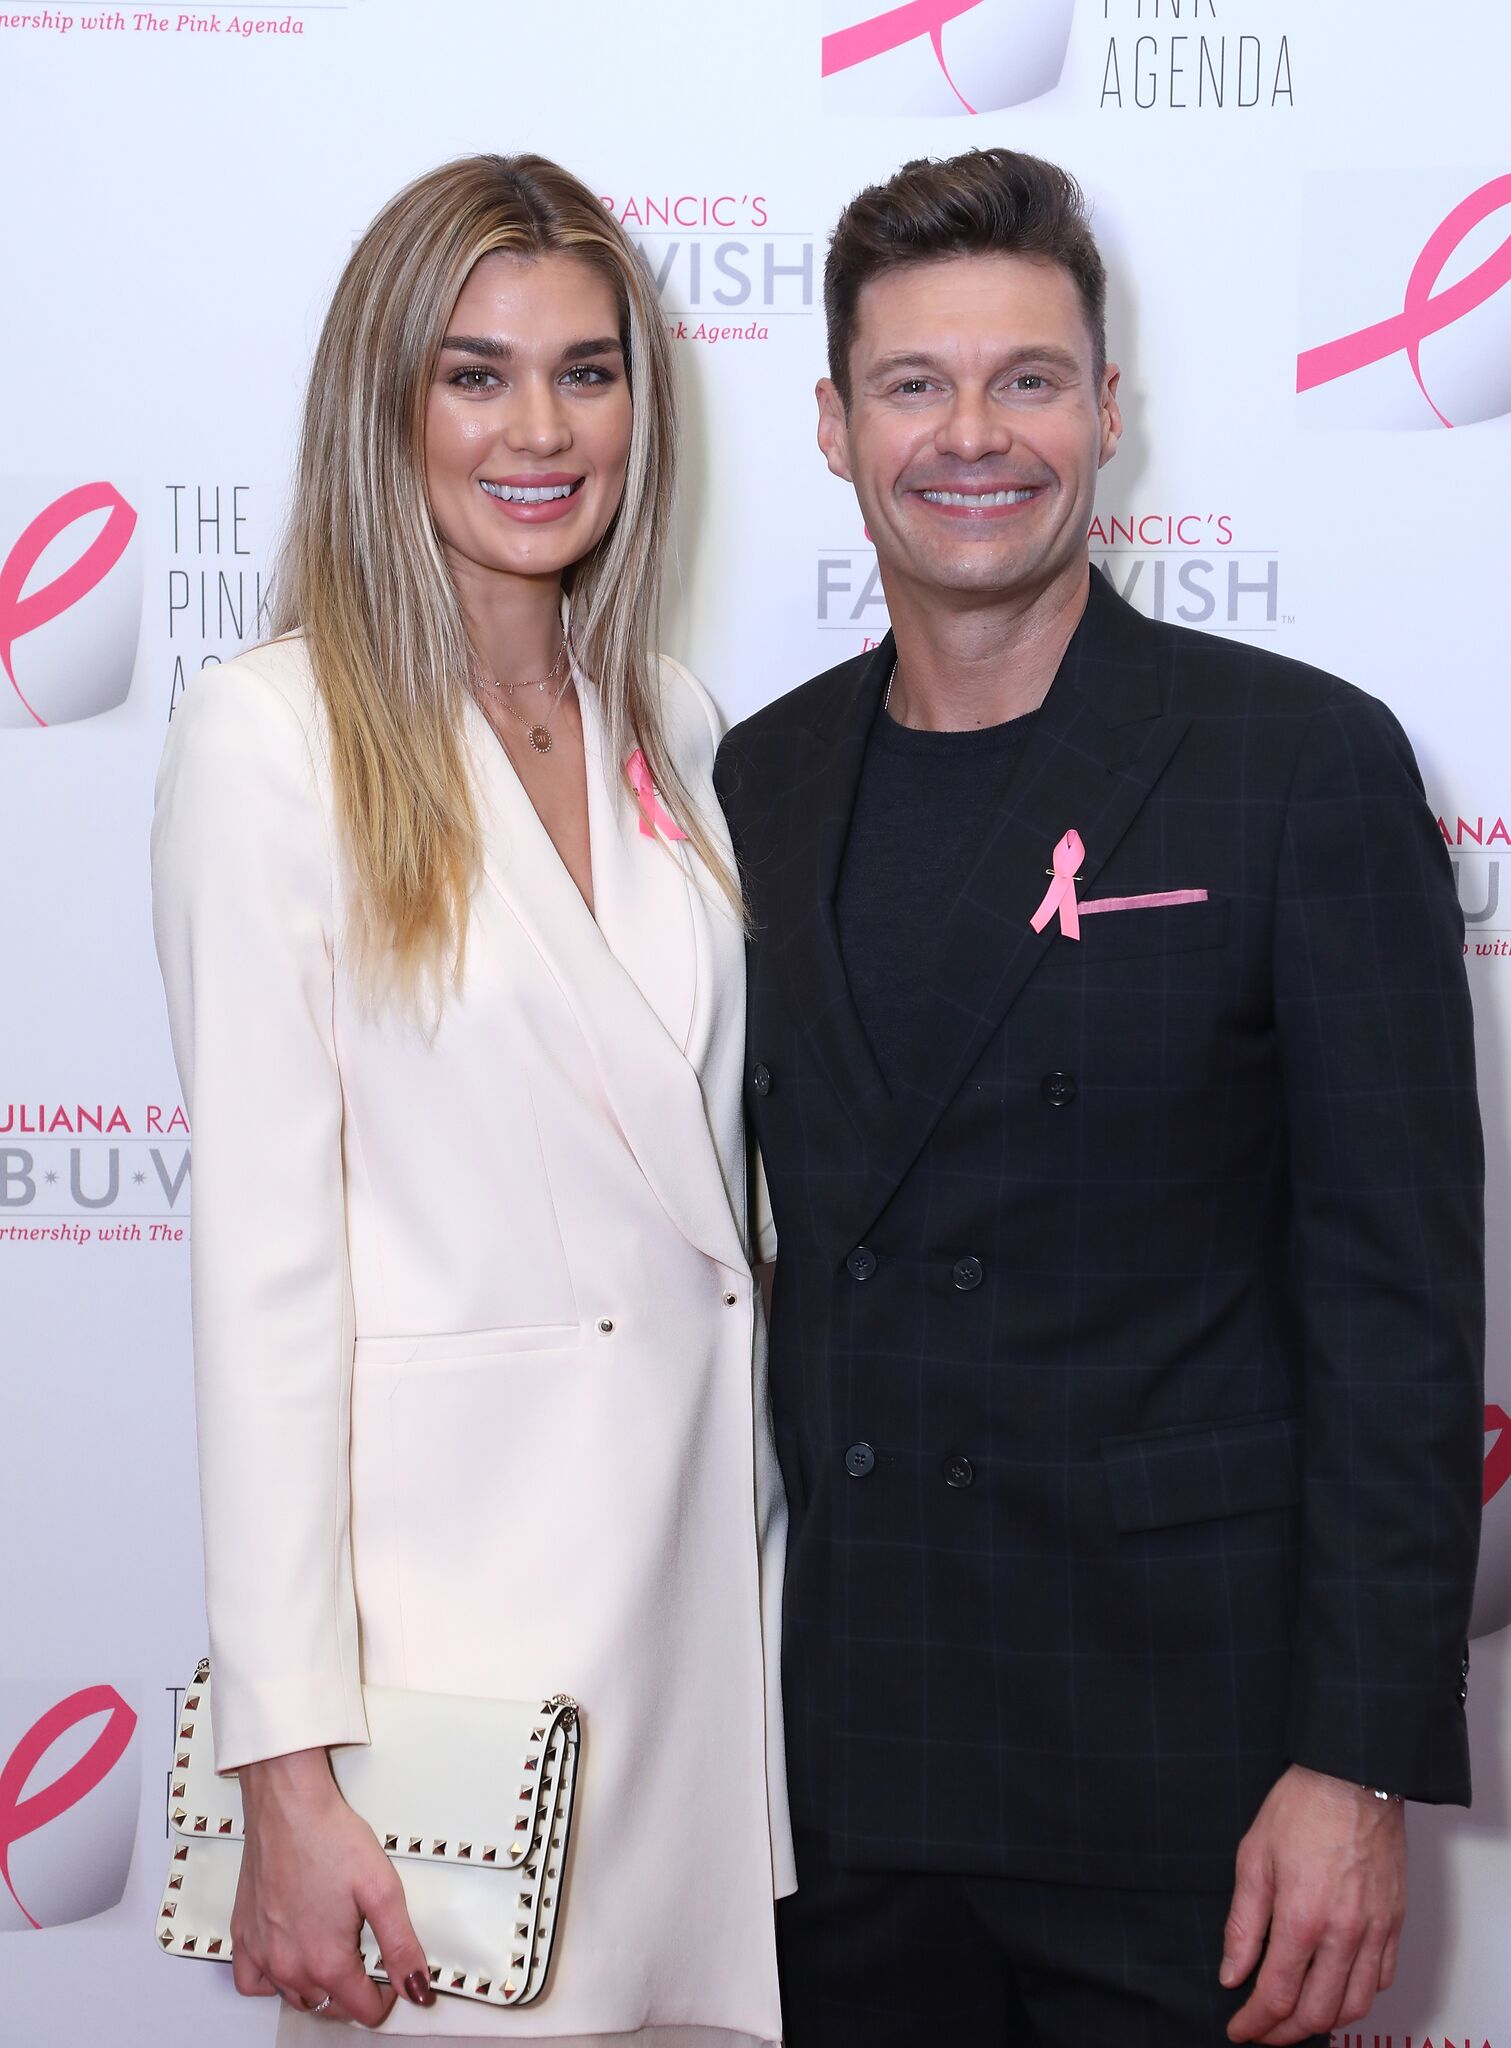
(584, 374)
(474, 378)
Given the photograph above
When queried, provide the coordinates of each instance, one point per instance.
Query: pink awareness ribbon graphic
(1498, 1457)
(21, 1817)
(1061, 894)
(651, 814)
(889, 31)
(1423, 314)
(20, 614)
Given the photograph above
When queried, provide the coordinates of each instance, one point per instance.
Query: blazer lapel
(805, 878)
(635, 1029)
(1100, 743)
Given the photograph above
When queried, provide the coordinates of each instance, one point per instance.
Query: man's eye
(1030, 380)
(911, 386)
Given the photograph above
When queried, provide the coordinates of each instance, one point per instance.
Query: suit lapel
(630, 978)
(1101, 741)
(805, 880)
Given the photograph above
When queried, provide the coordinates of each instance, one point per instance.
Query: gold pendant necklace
(539, 733)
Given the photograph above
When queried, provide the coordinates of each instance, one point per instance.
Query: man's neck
(959, 667)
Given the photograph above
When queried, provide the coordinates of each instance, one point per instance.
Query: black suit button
(967, 1273)
(861, 1262)
(1058, 1090)
(958, 1472)
(860, 1461)
(760, 1079)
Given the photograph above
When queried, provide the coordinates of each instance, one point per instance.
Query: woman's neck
(513, 623)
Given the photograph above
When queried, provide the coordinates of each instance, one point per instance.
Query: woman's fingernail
(1228, 1974)
(417, 1988)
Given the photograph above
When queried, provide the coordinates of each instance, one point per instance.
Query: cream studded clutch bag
(472, 1800)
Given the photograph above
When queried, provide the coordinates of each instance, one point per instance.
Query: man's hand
(1323, 1868)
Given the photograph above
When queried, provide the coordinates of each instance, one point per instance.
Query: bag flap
(453, 1778)
(443, 1777)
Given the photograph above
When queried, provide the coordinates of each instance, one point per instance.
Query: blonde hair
(362, 574)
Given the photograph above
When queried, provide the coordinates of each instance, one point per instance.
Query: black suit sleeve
(1387, 1172)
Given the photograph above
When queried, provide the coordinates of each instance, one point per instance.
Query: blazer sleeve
(1387, 1174)
(242, 877)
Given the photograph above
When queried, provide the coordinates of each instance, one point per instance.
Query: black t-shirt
(924, 808)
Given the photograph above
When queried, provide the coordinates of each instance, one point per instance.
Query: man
(1110, 1057)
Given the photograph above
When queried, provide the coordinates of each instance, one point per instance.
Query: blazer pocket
(1203, 1471)
(1168, 928)
(466, 1347)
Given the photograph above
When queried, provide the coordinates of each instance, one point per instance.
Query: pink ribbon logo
(889, 31)
(1423, 313)
(20, 1816)
(20, 615)
(1061, 894)
(1498, 1456)
(652, 816)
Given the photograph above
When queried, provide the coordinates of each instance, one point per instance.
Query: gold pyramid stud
(459, 1978)
(201, 1822)
(178, 1791)
(226, 1826)
(415, 1845)
(510, 1988)
(181, 1854)
(490, 1855)
(484, 1986)
(390, 1841)
(435, 1973)
(438, 1848)
(169, 1910)
(213, 1948)
(181, 1763)
(189, 1945)
(166, 1940)
(516, 1962)
(176, 1882)
(464, 1848)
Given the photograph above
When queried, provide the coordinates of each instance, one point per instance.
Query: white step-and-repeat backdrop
(1306, 207)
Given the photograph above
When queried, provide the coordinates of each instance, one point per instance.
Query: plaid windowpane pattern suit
(1170, 1238)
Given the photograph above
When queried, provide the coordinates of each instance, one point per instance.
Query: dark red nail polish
(417, 1988)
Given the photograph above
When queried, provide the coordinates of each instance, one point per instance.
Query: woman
(453, 950)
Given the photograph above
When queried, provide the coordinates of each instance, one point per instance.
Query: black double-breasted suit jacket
(1127, 1351)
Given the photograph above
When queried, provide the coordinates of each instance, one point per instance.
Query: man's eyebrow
(494, 350)
(919, 359)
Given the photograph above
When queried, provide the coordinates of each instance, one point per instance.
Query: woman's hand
(311, 1873)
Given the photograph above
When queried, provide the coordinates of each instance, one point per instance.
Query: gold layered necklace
(538, 730)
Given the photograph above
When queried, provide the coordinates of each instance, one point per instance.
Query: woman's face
(527, 426)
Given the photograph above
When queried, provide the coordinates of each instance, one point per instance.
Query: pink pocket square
(1163, 899)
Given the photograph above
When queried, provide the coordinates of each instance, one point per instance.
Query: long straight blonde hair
(362, 573)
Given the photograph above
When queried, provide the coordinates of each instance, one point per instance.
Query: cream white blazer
(479, 1362)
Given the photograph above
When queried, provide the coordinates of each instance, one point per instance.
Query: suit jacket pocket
(1203, 1471)
(1166, 928)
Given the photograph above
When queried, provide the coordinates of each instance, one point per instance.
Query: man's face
(976, 425)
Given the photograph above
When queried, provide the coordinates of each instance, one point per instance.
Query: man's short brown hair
(988, 202)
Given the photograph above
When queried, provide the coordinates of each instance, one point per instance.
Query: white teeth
(976, 499)
(522, 494)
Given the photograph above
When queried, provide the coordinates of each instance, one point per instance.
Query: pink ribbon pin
(1061, 894)
(652, 816)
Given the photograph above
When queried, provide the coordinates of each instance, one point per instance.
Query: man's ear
(833, 429)
(1111, 414)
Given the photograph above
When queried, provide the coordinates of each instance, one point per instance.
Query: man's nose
(973, 427)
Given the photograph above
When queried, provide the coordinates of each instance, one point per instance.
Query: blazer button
(860, 1461)
(861, 1262)
(760, 1079)
(1058, 1090)
(958, 1472)
(967, 1273)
